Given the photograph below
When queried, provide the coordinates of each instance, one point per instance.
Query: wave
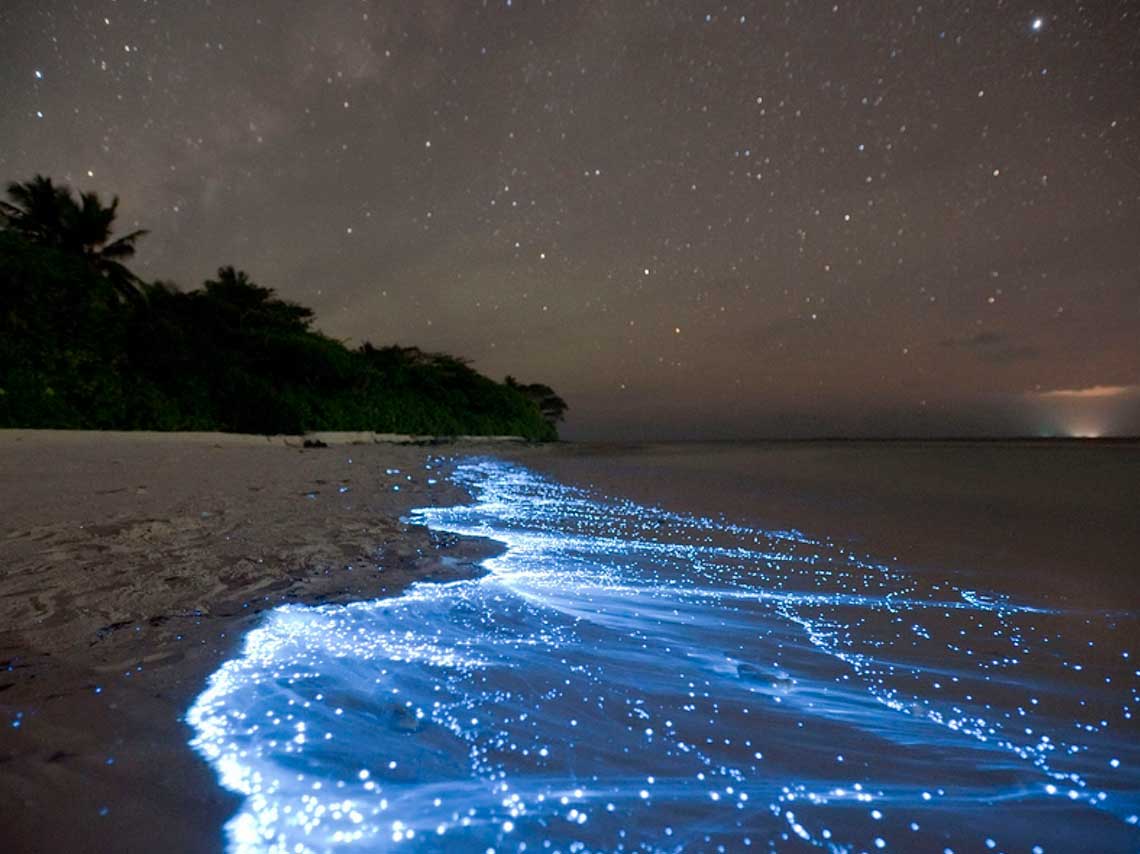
(628, 679)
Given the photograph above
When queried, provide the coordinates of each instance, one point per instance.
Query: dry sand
(130, 567)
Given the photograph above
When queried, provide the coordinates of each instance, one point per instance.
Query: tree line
(87, 344)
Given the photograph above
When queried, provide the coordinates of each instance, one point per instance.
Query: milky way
(725, 219)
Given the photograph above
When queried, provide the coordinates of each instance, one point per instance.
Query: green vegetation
(86, 344)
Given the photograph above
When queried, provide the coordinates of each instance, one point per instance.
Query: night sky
(691, 219)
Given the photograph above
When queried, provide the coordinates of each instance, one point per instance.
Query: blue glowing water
(628, 679)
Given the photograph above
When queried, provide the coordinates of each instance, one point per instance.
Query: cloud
(992, 347)
(1095, 392)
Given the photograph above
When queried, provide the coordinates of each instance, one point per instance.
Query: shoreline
(131, 567)
(612, 632)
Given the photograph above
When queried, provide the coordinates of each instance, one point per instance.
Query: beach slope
(130, 567)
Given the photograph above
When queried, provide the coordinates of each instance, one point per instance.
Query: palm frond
(124, 246)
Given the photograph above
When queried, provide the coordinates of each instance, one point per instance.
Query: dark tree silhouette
(49, 215)
(250, 306)
(552, 407)
(85, 344)
(37, 210)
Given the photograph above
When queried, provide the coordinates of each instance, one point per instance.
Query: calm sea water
(629, 678)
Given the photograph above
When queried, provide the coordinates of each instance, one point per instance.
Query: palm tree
(250, 305)
(37, 210)
(50, 215)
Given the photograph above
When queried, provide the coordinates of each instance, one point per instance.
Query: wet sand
(130, 568)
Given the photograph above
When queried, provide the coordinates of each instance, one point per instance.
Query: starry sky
(691, 219)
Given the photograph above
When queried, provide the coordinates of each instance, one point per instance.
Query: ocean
(848, 647)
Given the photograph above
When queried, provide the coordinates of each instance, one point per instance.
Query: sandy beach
(130, 567)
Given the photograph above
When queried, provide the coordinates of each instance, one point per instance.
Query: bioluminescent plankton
(632, 680)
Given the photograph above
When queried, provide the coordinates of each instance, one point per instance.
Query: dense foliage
(85, 344)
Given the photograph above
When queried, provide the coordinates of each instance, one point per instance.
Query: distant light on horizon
(1085, 426)
(1090, 412)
